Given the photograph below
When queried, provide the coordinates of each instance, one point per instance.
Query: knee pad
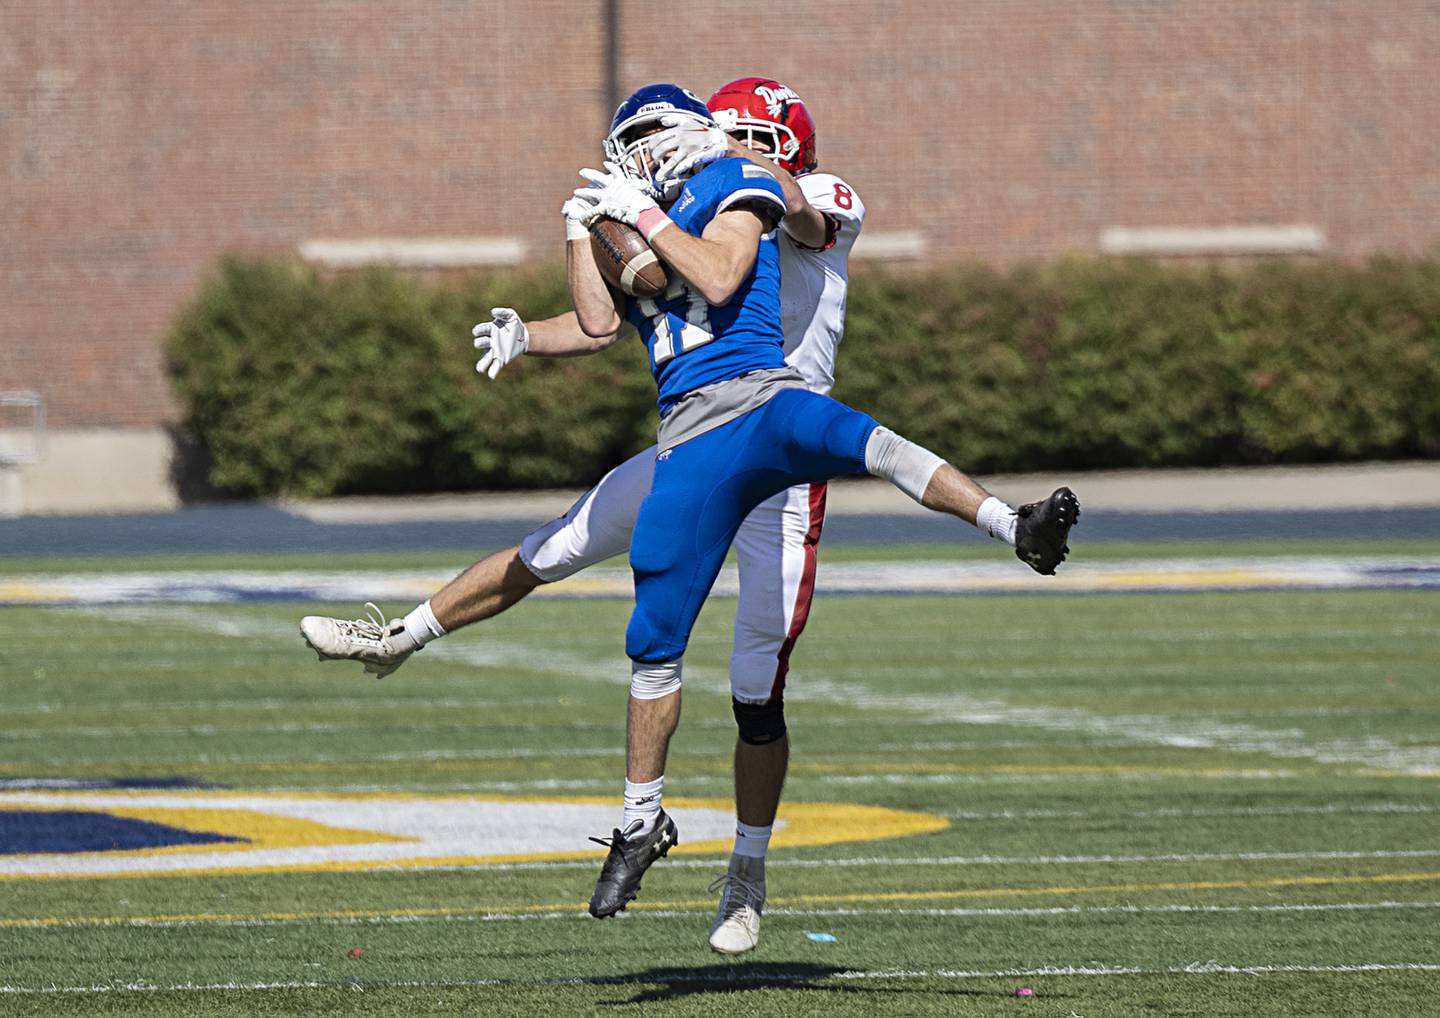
(651, 682)
(901, 462)
(760, 723)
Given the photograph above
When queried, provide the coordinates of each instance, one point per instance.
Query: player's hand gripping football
(613, 195)
(503, 339)
(686, 146)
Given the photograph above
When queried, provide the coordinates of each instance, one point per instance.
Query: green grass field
(1192, 804)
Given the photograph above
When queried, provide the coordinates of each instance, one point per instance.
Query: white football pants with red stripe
(775, 551)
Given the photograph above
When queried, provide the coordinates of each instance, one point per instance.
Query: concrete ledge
(407, 252)
(1413, 485)
(1219, 240)
(1408, 485)
(880, 245)
(94, 471)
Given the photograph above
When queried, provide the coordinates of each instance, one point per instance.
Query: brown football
(625, 260)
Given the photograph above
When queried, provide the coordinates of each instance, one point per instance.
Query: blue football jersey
(694, 343)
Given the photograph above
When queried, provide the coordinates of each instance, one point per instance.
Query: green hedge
(300, 385)
(297, 385)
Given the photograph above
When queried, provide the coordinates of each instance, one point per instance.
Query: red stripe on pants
(806, 591)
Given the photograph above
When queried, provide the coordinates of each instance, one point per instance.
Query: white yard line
(1143, 729)
(358, 759)
(691, 976)
(1083, 860)
(206, 731)
(1331, 809)
(276, 704)
(578, 914)
(899, 862)
(1099, 777)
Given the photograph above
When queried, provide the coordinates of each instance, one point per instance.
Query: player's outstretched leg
(1041, 529)
(381, 645)
(1036, 531)
(630, 856)
(595, 528)
(484, 590)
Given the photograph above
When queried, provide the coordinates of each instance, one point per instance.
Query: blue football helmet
(636, 118)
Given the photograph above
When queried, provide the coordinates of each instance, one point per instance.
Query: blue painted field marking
(26, 832)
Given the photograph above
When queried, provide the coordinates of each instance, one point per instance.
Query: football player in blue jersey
(737, 426)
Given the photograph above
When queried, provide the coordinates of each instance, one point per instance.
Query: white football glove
(612, 195)
(576, 212)
(503, 340)
(685, 146)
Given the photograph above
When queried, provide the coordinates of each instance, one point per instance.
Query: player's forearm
(595, 313)
(802, 220)
(562, 336)
(715, 269)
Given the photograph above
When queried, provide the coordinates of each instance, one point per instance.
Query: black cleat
(627, 862)
(1041, 530)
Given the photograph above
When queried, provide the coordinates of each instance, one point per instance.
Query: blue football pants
(703, 490)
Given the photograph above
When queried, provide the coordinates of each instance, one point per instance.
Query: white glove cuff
(575, 230)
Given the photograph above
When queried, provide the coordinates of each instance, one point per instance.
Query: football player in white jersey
(776, 546)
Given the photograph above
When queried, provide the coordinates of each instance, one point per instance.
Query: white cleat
(380, 645)
(742, 897)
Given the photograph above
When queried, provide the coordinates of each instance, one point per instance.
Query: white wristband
(652, 221)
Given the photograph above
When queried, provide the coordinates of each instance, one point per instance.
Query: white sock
(752, 842)
(642, 806)
(422, 625)
(997, 519)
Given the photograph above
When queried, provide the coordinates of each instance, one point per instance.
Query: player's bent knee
(549, 552)
(752, 675)
(649, 639)
(652, 681)
(760, 723)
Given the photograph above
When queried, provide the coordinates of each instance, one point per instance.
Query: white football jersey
(814, 281)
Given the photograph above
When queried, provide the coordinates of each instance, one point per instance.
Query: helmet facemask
(628, 146)
(776, 141)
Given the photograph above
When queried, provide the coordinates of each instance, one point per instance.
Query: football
(626, 260)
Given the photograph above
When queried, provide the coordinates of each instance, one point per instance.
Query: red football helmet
(762, 108)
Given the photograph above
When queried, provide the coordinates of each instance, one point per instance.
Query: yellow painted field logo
(49, 834)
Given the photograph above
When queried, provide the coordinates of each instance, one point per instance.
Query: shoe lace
(616, 838)
(738, 892)
(372, 628)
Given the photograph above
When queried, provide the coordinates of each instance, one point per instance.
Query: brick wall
(140, 140)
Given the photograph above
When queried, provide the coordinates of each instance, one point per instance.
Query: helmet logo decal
(777, 97)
